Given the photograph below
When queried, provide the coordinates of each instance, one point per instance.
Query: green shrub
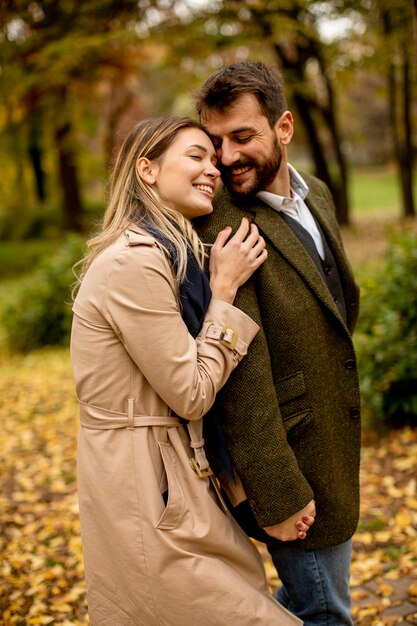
(39, 313)
(21, 257)
(386, 338)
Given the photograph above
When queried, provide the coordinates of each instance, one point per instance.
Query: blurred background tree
(65, 77)
(75, 77)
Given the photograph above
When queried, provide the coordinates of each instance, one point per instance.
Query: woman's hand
(234, 260)
(296, 526)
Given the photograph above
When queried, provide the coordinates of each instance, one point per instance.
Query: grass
(375, 190)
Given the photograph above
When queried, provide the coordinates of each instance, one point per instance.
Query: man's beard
(264, 173)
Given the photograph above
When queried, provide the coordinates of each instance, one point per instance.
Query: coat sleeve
(141, 304)
(273, 481)
(264, 459)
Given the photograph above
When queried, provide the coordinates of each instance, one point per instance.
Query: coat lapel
(328, 222)
(286, 242)
(329, 225)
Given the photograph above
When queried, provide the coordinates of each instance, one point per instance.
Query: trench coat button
(350, 364)
(327, 270)
(354, 413)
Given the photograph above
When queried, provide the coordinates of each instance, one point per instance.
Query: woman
(158, 547)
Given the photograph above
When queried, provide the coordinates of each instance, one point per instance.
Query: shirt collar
(299, 189)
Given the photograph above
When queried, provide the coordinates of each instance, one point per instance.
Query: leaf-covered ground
(41, 573)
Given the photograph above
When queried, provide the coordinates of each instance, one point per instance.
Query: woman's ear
(147, 170)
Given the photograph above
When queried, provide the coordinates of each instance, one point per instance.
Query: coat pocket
(175, 505)
(290, 387)
(297, 424)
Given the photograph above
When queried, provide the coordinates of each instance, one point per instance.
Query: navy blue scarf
(195, 296)
(194, 291)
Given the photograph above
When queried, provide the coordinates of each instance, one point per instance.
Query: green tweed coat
(291, 410)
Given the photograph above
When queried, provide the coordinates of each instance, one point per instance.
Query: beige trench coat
(184, 562)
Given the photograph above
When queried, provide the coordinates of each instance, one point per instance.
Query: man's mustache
(224, 169)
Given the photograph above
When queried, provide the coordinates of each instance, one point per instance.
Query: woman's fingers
(258, 246)
(253, 243)
(303, 525)
(222, 237)
(261, 258)
(242, 231)
(241, 236)
(253, 236)
(233, 259)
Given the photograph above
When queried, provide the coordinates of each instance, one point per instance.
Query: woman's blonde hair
(133, 200)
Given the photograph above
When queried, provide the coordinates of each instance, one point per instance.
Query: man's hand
(296, 526)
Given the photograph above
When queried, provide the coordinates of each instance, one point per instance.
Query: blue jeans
(315, 583)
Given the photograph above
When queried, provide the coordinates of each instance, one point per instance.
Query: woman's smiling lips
(204, 187)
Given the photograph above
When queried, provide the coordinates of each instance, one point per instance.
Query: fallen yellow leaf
(402, 520)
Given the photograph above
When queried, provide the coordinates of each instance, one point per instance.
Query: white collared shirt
(295, 206)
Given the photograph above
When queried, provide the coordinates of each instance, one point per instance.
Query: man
(290, 412)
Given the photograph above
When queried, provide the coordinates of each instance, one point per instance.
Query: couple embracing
(260, 344)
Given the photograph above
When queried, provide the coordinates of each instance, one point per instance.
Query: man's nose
(229, 153)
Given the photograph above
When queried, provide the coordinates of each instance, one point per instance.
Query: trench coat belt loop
(98, 418)
(199, 463)
(130, 418)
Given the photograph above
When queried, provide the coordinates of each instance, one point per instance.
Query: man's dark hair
(222, 89)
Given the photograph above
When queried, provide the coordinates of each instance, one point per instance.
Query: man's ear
(285, 128)
(147, 170)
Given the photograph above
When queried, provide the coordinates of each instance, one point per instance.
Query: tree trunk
(415, 25)
(305, 107)
(72, 205)
(407, 156)
(35, 151)
(35, 157)
(120, 100)
(400, 118)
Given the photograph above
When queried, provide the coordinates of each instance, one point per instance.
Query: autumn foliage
(41, 567)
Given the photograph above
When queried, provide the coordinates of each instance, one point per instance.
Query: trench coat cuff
(230, 326)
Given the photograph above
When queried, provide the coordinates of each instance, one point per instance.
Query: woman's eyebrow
(196, 145)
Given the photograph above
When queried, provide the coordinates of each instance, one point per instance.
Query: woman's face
(186, 175)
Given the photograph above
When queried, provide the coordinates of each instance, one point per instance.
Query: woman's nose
(212, 171)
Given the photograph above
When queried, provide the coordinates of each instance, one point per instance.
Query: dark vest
(327, 266)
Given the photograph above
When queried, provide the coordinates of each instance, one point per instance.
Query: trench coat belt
(98, 418)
